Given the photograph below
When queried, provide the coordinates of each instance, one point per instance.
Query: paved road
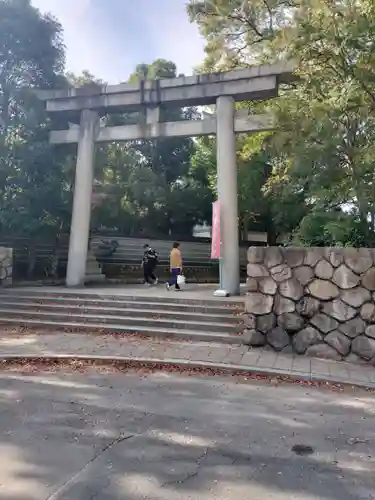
(71, 436)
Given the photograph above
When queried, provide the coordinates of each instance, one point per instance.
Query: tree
(158, 193)
(334, 228)
(160, 68)
(34, 194)
(259, 208)
(85, 78)
(31, 54)
(147, 185)
(239, 32)
(322, 154)
(330, 116)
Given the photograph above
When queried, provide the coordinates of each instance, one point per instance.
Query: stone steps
(187, 319)
(200, 336)
(81, 315)
(172, 298)
(154, 313)
(124, 303)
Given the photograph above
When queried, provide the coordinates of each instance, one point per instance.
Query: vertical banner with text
(215, 234)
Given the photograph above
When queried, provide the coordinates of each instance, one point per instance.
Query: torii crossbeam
(223, 89)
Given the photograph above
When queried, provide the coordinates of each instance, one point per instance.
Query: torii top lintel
(257, 82)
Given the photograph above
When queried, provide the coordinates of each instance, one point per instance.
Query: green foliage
(146, 185)
(156, 191)
(160, 68)
(34, 195)
(335, 228)
(85, 78)
(239, 32)
(322, 154)
(311, 182)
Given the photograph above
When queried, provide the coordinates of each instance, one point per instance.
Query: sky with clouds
(110, 37)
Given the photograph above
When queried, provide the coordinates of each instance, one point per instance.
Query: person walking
(149, 262)
(175, 264)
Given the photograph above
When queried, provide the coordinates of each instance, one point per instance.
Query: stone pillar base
(93, 270)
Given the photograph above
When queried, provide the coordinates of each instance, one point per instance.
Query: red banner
(215, 232)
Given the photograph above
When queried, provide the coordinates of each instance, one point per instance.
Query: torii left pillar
(80, 226)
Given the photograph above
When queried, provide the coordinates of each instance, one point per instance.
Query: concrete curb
(230, 369)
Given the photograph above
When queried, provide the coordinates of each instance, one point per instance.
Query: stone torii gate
(88, 103)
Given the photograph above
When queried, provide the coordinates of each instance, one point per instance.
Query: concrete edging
(183, 364)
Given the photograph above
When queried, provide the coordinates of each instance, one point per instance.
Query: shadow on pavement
(114, 436)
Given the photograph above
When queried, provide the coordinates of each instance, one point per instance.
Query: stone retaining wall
(314, 301)
(6, 265)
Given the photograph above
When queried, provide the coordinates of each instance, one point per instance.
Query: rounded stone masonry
(257, 271)
(249, 320)
(258, 303)
(265, 323)
(273, 257)
(278, 338)
(359, 260)
(251, 285)
(308, 306)
(293, 256)
(370, 331)
(312, 301)
(268, 286)
(281, 273)
(306, 338)
(353, 328)
(255, 255)
(338, 310)
(364, 347)
(335, 256)
(323, 289)
(367, 312)
(368, 279)
(254, 338)
(355, 297)
(324, 270)
(283, 305)
(291, 289)
(344, 278)
(291, 322)
(313, 256)
(303, 274)
(324, 323)
(338, 341)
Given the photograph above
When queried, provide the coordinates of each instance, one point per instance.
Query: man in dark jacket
(149, 262)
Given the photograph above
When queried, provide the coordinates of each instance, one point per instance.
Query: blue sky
(110, 37)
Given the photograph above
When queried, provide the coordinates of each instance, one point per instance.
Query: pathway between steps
(12, 342)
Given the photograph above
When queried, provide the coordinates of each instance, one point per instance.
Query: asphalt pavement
(112, 436)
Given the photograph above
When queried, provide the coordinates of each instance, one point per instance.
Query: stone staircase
(188, 319)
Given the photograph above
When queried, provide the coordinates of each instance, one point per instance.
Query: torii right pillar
(228, 195)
